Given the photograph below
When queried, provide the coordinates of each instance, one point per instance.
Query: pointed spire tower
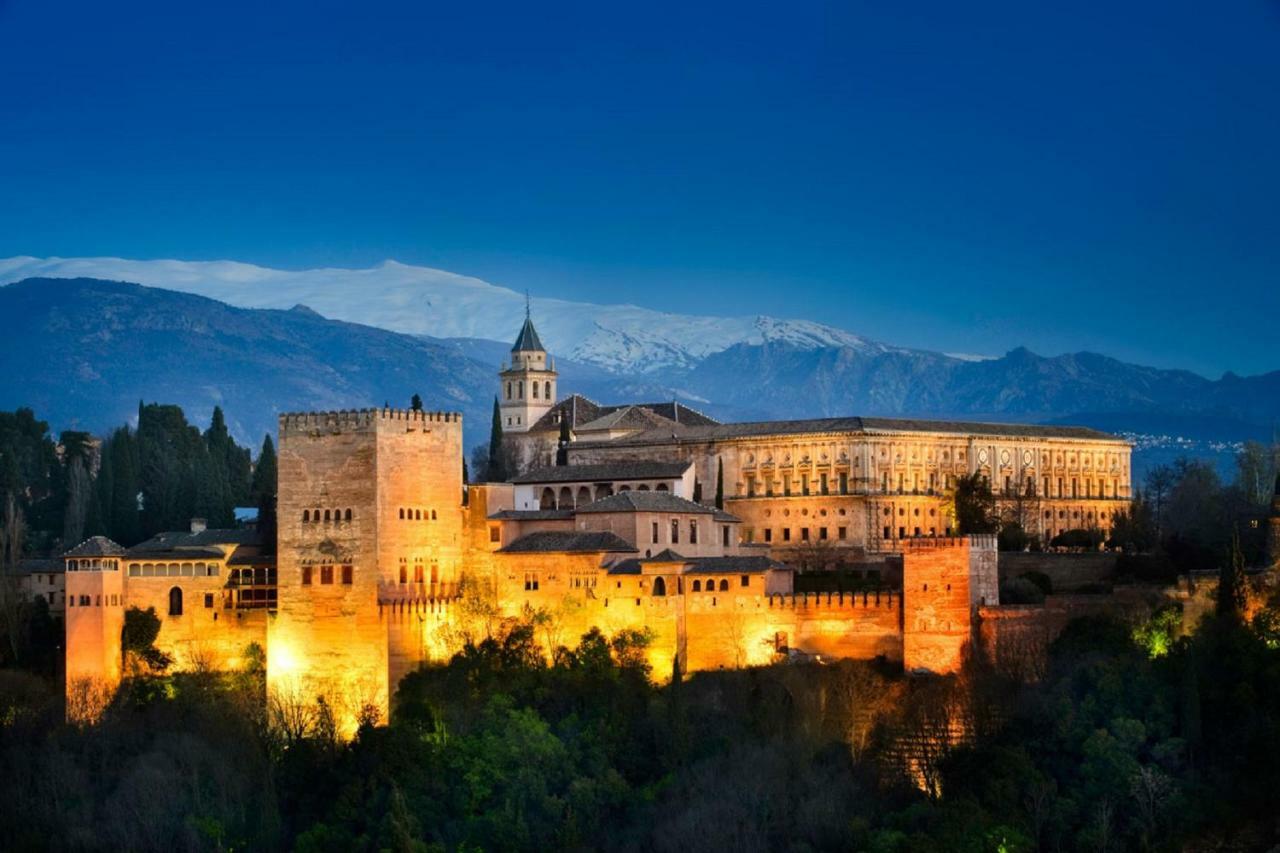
(528, 383)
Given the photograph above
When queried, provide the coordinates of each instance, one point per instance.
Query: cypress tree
(120, 504)
(264, 494)
(1232, 592)
(497, 456)
(719, 484)
(416, 403)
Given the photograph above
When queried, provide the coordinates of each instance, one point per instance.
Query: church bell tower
(528, 384)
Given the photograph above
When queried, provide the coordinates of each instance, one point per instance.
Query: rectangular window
(786, 534)
(842, 533)
(675, 531)
(844, 483)
(326, 575)
(693, 532)
(724, 535)
(822, 483)
(804, 534)
(768, 534)
(346, 575)
(655, 533)
(495, 535)
(822, 533)
(746, 580)
(886, 532)
(902, 533)
(804, 484)
(417, 573)
(208, 599)
(306, 576)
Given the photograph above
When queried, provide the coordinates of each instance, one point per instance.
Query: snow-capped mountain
(424, 301)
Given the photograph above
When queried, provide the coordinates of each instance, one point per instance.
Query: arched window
(306, 516)
(724, 585)
(659, 586)
(337, 515)
(697, 586)
(548, 390)
(433, 515)
(175, 601)
(520, 386)
(417, 515)
(584, 496)
(348, 515)
(566, 498)
(404, 574)
(402, 512)
(548, 500)
(326, 516)
(675, 531)
(643, 487)
(508, 390)
(661, 487)
(693, 531)
(535, 390)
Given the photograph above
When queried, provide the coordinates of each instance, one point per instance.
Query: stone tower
(369, 517)
(94, 619)
(528, 383)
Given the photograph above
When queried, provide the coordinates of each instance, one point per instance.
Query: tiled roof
(582, 412)
(176, 553)
(532, 515)
(666, 555)
(633, 501)
(528, 340)
(731, 565)
(612, 471)
(96, 546)
(721, 515)
(175, 539)
(629, 566)
(627, 417)
(721, 432)
(567, 541)
(40, 566)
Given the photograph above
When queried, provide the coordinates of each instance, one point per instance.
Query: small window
(675, 531)
(306, 575)
(822, 533)
(208, 600)
(495, 535)
(655, 532)
(306, 516)
(346, 575)
(768, 534)
(348, 515)
(326, 575)
(842, 533)
(433, 515)
(697, 586)
(724, 584)
(175, 601)
(746, 580)
(693, 532)
(786, 534)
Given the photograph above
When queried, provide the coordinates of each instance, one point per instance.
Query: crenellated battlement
(345, 420)
(887, 599)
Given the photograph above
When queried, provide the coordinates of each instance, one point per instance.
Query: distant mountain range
(624, 339)
(84, 351)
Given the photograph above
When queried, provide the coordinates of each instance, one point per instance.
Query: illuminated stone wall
(386, 485)
(203, 637)
(937, 604)
(94, 620)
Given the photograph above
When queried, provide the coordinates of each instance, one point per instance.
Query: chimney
(199, 525)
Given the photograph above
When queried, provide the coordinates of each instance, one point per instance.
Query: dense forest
(1125, 744)
(135, 482)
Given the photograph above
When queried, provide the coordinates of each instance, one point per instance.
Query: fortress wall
(1067, 572)
(210, 638)
(839, 625)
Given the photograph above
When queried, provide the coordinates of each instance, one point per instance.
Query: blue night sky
(963, 177)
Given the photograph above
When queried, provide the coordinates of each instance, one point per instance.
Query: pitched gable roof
(634, 501)
(567, 542)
